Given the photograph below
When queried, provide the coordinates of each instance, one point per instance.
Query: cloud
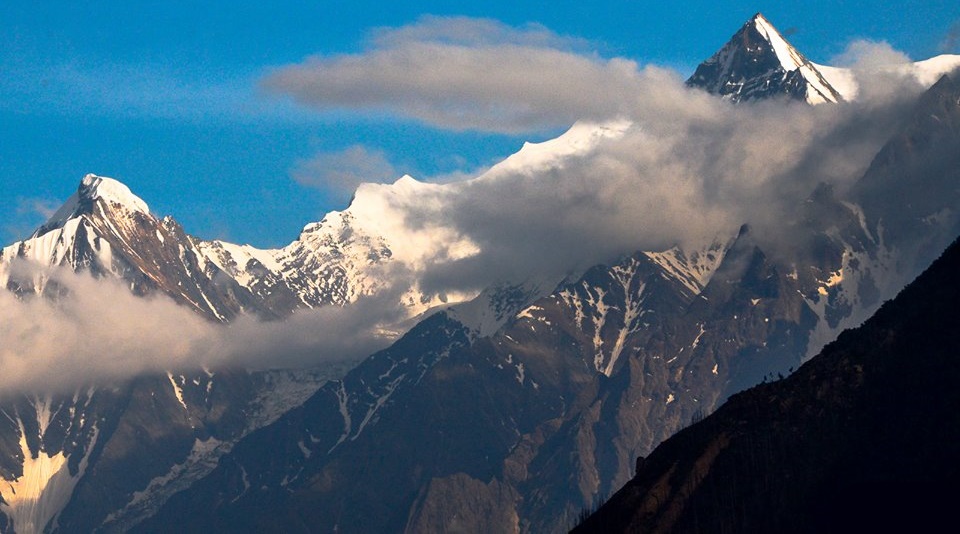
(951, 41)
(864, 54)
(29, 213)
(97, 332)
(690, 169)
(883, 74)
(469, 31)
(466, 74)
(91, 87)
(342, 172)
(43, 207)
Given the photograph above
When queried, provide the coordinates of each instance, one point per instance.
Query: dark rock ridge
(862, 438)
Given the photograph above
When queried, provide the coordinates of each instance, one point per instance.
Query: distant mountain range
(510, 409)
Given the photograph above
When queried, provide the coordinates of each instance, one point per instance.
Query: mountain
(565, 395)
(923, 155)
(103, 229)
(366, 249)
(504, 409)
(520, 429)
(106, 457)
(863, 437)
(858, 425)
(759, 63)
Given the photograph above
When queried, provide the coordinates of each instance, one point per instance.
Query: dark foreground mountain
(863, 438)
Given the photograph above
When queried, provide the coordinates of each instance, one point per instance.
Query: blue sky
(191, 105)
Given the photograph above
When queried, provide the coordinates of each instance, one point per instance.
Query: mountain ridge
(570, 390)
(864, 426)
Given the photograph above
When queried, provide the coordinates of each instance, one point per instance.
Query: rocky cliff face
(922, 156)
(861, 438)
(533, 421)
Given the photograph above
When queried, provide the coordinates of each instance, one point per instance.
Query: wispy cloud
(37, 207)
(27, 215)
(90, 87)
(343, 171)
(467, 74)
(951, 41)
(864, 54)
(97, 332)
(469, 31)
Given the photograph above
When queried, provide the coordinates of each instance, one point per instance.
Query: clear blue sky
(168, 96)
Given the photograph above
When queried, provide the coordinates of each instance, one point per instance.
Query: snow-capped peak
(790, 58)
(92, 188)
(819, 89)
(100, 187)
(580, 139)
(758, 62)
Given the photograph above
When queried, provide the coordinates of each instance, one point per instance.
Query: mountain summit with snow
(113, 195)
(758, 62)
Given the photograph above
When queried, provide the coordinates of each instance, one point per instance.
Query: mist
(96, 332)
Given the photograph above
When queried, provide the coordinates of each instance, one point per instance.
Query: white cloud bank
(97, 332)
(691, 167)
